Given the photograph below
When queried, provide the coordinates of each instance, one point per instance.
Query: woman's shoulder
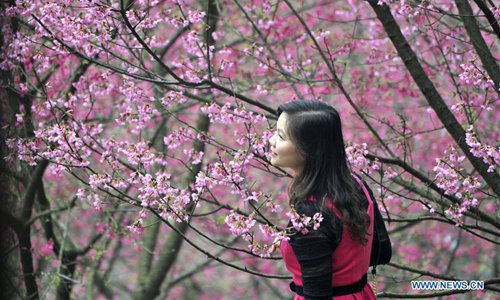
(311, 206)
(331, 225)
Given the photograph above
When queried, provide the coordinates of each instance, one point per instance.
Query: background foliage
(136, 163)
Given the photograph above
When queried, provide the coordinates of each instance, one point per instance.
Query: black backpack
(381, 247)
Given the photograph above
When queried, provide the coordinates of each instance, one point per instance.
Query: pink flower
(47, 249)
(489, 154)
(496, 12)
(254, 196)
(137, 227)
(20, 115)
(302, 223)
(269, 231)
(240, 225)
(274, 206)
(356, 156)
(390, 173)
(196, 16)
(474, 76)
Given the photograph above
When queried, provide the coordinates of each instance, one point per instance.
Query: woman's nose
(271, 140)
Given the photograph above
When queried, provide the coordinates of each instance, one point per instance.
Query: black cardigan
(314, 249)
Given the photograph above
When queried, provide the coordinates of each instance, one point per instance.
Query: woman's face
(284, 152)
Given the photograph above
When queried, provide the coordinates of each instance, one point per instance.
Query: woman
(332, 261)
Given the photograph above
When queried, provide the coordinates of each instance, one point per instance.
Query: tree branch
(336, 80)
(209, 255)
(482, 50)
(489, 15)
(147, 255)
(29, 196)
(429, 183)
(428, 89)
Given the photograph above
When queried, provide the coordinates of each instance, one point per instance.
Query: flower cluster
(449, 178)
(202, 182)
(25, 150)
(93, 198)
(303, 223)
(178, 137)
(447, 171)
(137, 153)
(471, 74)
(137, 227)
(225, 115)
(240, 225)
(173, 204)
(195, 156)
(356, 155)
(136, 107)
(152, 187)
(496, 11)
(271, 233)
(48, 248)
(489, 154)
(173, 97)
(99, 180)
(231, 172)
(390, 173)
(263, 250)
(405, 8)
(66, 144)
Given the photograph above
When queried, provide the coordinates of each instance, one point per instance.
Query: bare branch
(430, 92)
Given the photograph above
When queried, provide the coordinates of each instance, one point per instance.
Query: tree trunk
(430, 92)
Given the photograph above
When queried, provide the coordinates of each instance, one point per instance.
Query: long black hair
(314, 127)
